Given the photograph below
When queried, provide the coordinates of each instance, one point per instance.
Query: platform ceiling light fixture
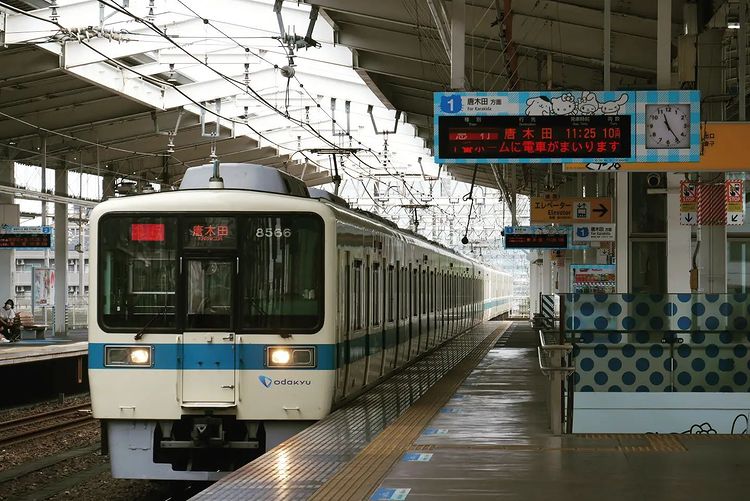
(733, 17)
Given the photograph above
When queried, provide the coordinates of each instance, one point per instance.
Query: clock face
(667, 126)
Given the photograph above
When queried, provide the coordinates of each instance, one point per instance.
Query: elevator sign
(570, 210)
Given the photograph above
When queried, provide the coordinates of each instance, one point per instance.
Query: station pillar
(9, 214)
(61, 251)
(678, 240)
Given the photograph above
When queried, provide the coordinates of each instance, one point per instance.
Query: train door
(208, 349)
(344, 323)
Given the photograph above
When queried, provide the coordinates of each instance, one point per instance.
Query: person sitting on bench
(7, 319)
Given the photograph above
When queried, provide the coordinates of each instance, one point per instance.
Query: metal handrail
(546, 369)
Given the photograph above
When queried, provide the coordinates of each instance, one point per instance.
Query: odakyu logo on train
(268, 382)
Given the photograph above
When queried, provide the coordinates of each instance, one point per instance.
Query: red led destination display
(543, 241)
(557, 136)
(210, 232)
(147, 232)
(25, 240)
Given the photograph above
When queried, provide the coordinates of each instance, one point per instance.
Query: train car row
(228, 319)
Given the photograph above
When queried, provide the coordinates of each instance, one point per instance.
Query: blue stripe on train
(210, 356)
(252, 356)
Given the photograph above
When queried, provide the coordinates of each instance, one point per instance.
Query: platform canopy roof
(146, 89)
(402, 47)
(136, 88)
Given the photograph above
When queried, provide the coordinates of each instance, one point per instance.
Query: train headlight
(280, 356)
(290, 356)
(128, 356)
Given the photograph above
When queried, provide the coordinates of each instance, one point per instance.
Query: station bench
(24, 322)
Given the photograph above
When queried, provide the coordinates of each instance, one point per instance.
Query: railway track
(44, 423)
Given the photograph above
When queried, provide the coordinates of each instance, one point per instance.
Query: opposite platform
(28, 352)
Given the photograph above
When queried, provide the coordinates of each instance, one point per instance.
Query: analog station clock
(667, 126)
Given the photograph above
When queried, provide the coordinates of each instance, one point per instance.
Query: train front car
(211, 337)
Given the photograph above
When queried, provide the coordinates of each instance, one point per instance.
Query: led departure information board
(561, 136)
(561, 126)
(546, 241)
(25, 240)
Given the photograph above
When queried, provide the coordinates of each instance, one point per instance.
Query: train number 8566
(273, 232)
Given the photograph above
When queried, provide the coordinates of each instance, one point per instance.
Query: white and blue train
(224, 320)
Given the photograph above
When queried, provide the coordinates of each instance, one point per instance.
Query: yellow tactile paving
(303, 464)
(362, 475)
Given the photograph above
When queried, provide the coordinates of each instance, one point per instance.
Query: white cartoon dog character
(536, 106)
(613, 107)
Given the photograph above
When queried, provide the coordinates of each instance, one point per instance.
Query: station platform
(481, 432)
(74, 344)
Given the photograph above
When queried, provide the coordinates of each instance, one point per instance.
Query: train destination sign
(524, 137)
(605, 127)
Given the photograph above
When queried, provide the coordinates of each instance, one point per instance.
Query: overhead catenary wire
(240, 86)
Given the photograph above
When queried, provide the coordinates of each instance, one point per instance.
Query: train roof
(251, 177)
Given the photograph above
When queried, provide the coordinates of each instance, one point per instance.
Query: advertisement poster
(43, 287)
(593, 279)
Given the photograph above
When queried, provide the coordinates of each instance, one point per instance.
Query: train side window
(376, 294)
(391, 294)
(425, 292)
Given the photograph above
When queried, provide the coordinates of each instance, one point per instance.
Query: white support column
(458, 44)
(61, 252)
(678, 239)
(678, 236)
(622, 232)
(546, 272)
(9, 214)
(535, 271)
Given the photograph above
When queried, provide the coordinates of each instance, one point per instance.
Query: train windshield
(282, 272)
(138, 272)
(150, 277)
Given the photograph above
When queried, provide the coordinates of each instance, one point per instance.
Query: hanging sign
(688, 203)
(571, 210)
(561, 126)
(735, 199)
(536, 237)
(25, 237)
(585, 233)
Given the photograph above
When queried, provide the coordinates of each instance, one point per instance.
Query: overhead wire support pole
(458, 44)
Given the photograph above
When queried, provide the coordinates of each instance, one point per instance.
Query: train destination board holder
(565, 126)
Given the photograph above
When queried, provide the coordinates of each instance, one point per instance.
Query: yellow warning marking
(359, 478)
